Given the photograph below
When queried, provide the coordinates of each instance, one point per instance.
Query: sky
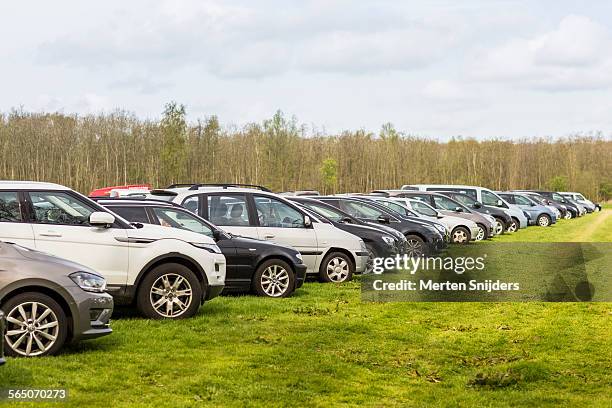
(437, 68)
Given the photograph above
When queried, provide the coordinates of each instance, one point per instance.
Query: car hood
(157, 232)
(35, 255)
(386, 229)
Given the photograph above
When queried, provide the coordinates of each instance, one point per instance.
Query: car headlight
(299, 257)
(209, 247)
(362, 245)
(388, 240)
(88, 281)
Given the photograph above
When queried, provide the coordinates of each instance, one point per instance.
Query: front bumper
(93, 313)
(212, 291)
(300, 275)
(474, 233)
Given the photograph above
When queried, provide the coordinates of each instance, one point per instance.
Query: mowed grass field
(324, 347)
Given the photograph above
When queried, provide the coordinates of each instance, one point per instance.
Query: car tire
(568, 215)
(482, 232)
(415, 247)
(336, 267)
(371, 255)
(514, 225)
(27, 334)
(274, 278)
(543, 220)
(499, 226)
(169, 291)
(460, 235)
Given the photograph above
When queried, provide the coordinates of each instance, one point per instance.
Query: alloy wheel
(414, 248)
(481, 234)
(459, 236)
(568, 215)
(171, 295)
(32, 329)
(499, 227)
(275, 280)
(337, 269)
(513, 227)
(543, 221)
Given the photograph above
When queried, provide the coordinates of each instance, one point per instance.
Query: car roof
(29, 185)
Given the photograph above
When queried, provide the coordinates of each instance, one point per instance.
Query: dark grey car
(48, 301)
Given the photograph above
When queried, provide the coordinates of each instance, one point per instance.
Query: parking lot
(324, 346)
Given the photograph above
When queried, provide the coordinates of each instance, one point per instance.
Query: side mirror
(307, 221)
(533, 204)
(346, 220)
(384, 219)
(477, 204)
(438, 215)
(217, 235)
(101, 219)
(458, 209)
(500, 203)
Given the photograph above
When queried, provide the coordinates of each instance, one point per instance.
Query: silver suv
(48, 301)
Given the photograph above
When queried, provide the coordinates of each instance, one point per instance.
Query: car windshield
(466, 200)
(398, 208)
(423, 208)
(336, 216)
(175, 218)
(580, 197)
(523, 200)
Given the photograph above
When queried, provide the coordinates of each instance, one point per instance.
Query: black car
(422, 239)
(266, 268)
(469, 201)
(380, 243)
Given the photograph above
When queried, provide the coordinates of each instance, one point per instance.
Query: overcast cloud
(433, 68)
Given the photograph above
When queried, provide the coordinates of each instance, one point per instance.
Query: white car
(580, 199)
(461, 230)
(334, 255)
(166, 272)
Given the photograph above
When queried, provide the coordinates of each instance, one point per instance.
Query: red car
(106, 191)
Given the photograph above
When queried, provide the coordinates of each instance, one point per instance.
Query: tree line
(90, 151)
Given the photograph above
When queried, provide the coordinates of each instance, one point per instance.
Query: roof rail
(136, 199)
(196, 186)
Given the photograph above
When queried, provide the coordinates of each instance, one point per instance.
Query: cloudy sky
(488, 68)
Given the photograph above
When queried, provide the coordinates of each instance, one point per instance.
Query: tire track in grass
(588, 232)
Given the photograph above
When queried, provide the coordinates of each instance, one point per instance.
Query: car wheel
(482, 232)
(336, 267)
(274, 278)
(371, 255)
(415, 246)
(514, 226)
(543, 220)
(169, 291)
(568, 215)
(499, 226)
(460, 235)
(36, 325)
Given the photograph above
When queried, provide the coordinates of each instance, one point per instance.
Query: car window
(56, 207)
(509, 198)
(275, 213)
(557, 197)
(445, 203)
(230, 210)
(398, 208)
(424, 209)
(10, 210)
(175, 218)
(333, 215)
(192, 203)
(132, 214)
(360, 210)
(468, 201)
(580, 197)
(520, 200)
(489, 198)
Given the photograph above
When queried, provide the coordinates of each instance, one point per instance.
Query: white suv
(327, 251)
(166, 272)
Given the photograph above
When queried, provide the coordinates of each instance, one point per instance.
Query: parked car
(253, 211)
(486, 197)
(448, 206)
(503, 220)
(539, 214)
(121, 191)
(590, 206)
(381, 242)
(461, 230)
(263, 267)
(559, 209)
(572, 210)
(166, 273)
(49, 301)
(422, 239)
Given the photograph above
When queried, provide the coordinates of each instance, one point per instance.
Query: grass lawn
(325, 347)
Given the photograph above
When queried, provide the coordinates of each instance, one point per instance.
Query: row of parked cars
(66, 260)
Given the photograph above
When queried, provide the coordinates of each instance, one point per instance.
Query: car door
(231, 211)
(60, 222)
(280, 222)
(13, 226)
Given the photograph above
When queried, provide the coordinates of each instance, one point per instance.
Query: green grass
(325, 347)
